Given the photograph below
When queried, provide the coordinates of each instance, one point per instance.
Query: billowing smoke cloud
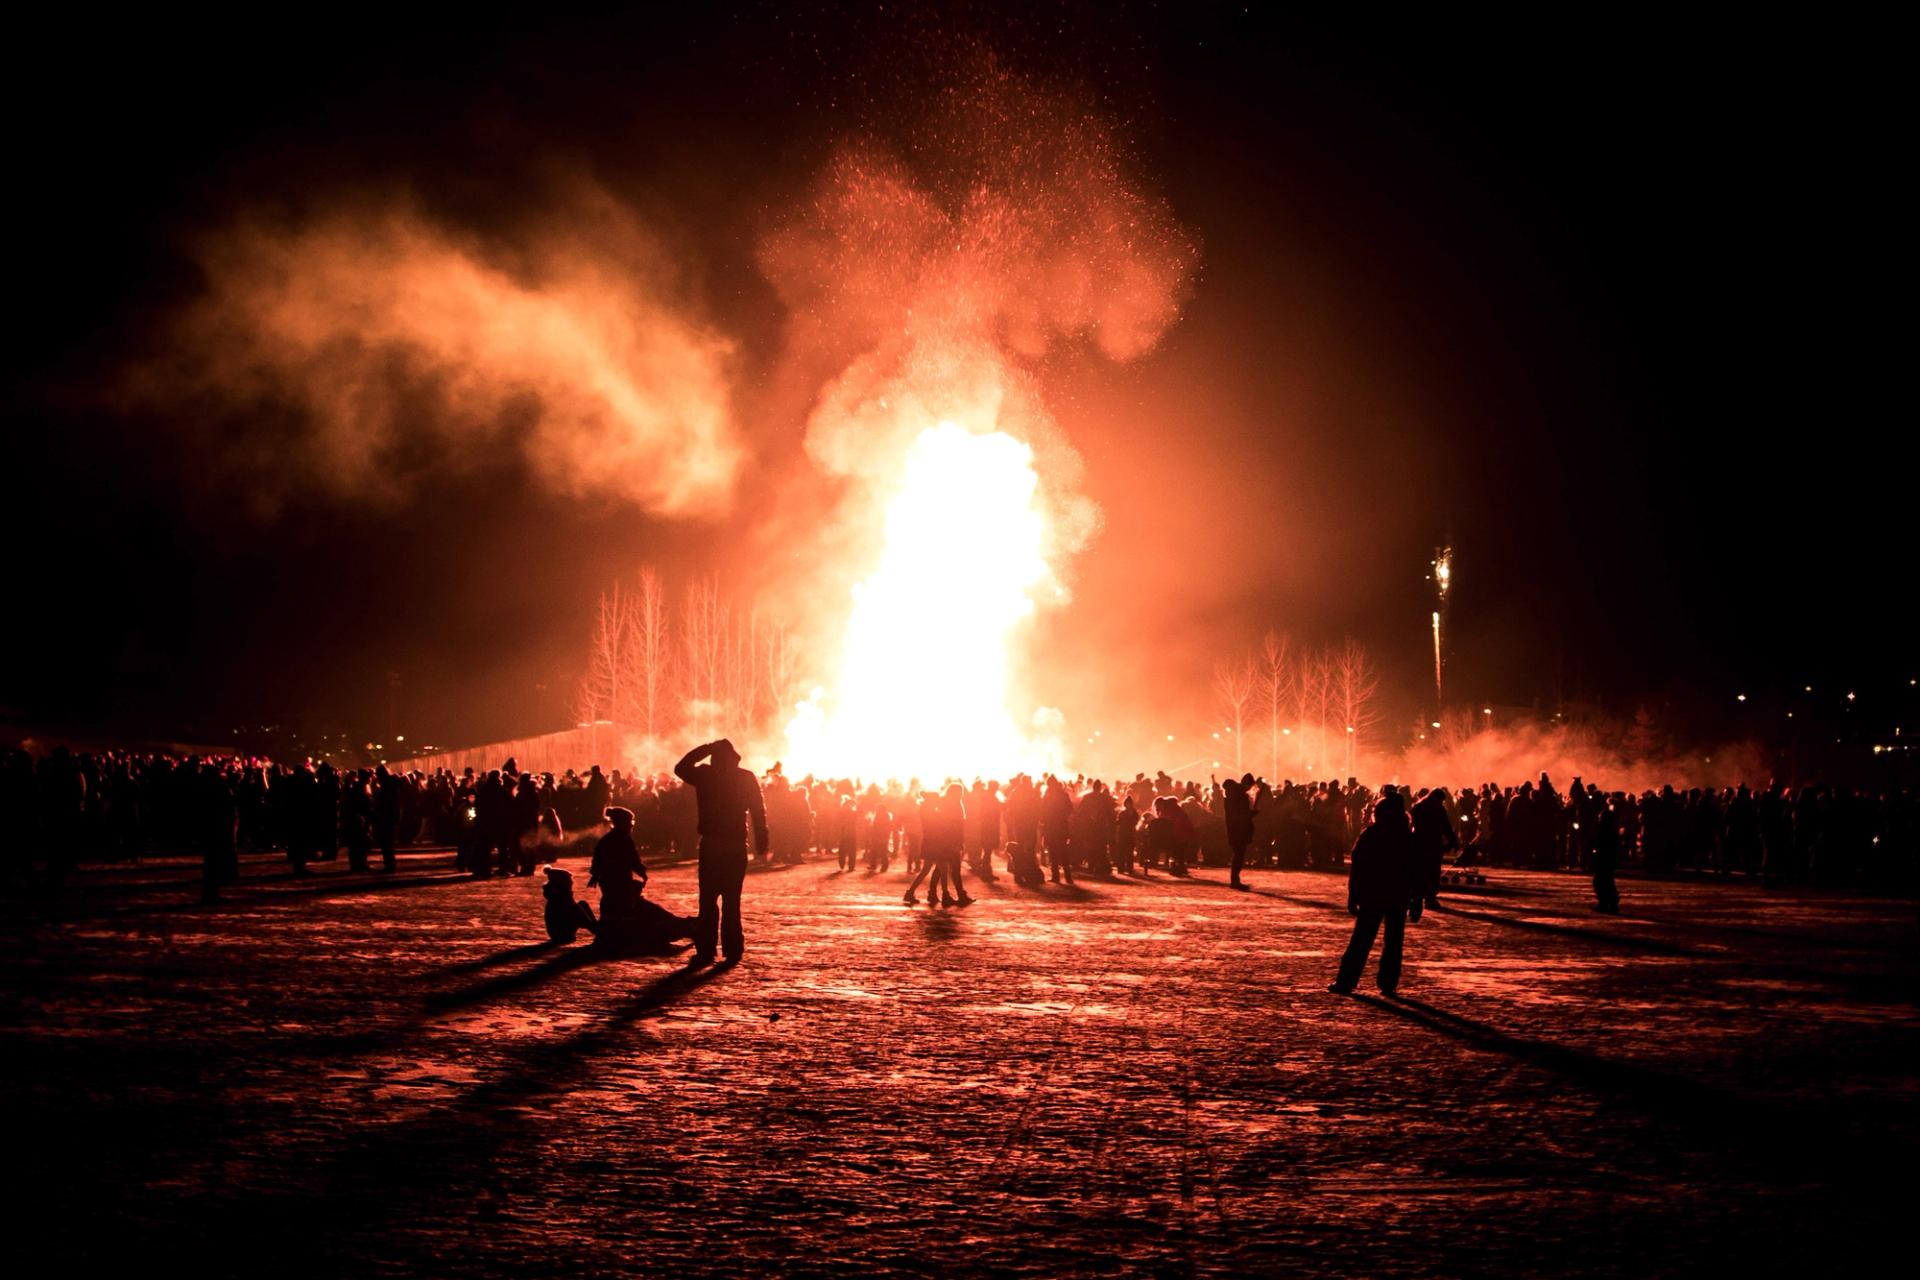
(1014, 229)
(1521, 753)
(363, 349)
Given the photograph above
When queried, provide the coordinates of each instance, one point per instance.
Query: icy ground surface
(367, 1077)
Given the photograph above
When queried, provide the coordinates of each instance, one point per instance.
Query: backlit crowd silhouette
(59, 808)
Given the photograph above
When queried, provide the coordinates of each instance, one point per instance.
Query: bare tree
(653, 650)
(703, 644)
(719, 670)
(1233, 694)
(1354, 685)
(778, 669)
(1275, 692)
(1326, 700)
(1315, 700)
(743, 670)
(604, 685)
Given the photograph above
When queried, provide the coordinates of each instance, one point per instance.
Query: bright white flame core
(925, 675)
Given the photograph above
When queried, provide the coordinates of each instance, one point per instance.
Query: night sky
(1600, 304)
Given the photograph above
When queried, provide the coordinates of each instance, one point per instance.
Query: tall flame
(925, 676)
(936, 278)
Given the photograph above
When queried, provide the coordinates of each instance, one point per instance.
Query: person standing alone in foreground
(1382, 881)
(729, 799)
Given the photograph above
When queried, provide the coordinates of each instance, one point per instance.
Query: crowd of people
(61, 807)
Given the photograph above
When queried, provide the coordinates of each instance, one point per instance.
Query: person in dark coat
(220, 865)
(356, 819)
(943, 826)
(730, 801)
(565, 917)
(524, 812)
(1056, 828)
(386, 815)
(1434, 839)
(1126, 833)
(627, 919)
(616, 869)
(1381, 881)
(599, 792)
(1606, 858)
(1238, 811)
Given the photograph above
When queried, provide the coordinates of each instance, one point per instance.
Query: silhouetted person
(523, 811)
(220, 818)
(1434, 839)
(565, 917)
(1126, 833)
(943, 824)
(617, 870)
(1381, 881)
(1606, 857)
(356, 819)
(1238, 811)
(599, 792)
(1056, 828)
(729, 800)
(627, 919)
(847, 834)
(1024, 866)
(386, 815)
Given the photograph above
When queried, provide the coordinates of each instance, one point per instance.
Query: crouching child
(565, 915)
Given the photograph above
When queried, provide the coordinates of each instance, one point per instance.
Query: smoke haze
(388, 348)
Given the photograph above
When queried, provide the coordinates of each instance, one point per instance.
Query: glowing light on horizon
(926, 671)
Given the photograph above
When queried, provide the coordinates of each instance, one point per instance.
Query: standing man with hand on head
(729, 799)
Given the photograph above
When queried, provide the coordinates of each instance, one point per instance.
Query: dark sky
(1602, 304)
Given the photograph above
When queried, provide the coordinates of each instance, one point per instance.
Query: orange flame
(926, 671)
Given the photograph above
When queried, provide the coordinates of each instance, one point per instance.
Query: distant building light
(1740, 697)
